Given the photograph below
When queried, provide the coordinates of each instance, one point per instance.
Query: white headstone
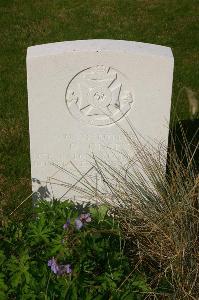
(79, 91)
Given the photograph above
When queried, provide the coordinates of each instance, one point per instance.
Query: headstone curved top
(99, 45)
(79, 91)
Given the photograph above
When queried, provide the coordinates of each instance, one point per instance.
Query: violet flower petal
(65, 226)
(64, 269)
(78, 224)
(68, 269)
(88, 219)
(53, 265)
(85, 217)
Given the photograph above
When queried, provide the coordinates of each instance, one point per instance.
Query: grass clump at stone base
(158, 212)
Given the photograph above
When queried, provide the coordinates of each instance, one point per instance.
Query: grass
(159, 214)
(171, 23)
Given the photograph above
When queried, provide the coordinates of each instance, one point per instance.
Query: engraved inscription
(98, 96)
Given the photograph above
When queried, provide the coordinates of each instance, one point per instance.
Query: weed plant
(69, 252)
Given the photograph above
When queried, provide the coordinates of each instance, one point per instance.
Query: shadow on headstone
(40, 192)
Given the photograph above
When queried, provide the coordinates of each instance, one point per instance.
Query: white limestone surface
(78, 94)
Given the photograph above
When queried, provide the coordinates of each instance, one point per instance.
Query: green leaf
(99, 213)
(102, 210)
(3, 287)
(139, 282)
(2, 257)
(19, 268)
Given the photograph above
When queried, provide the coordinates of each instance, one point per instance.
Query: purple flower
(59, 269)
(54, 266)
(65, 226)
(65, 269)
(78, 224)
(83, 218)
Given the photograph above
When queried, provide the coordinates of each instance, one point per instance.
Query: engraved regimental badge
(98, 96)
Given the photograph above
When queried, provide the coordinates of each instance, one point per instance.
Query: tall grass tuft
(158, 210)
